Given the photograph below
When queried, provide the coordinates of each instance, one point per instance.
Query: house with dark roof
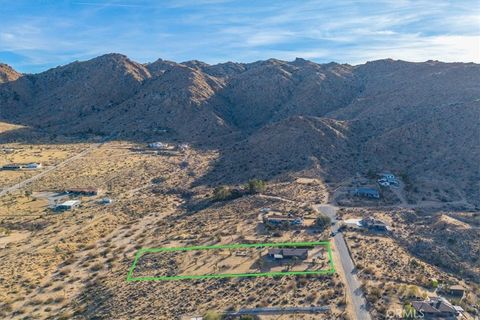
(12, 166)
(278, 253)
(435, 308)
(374, 224)
(456, 291)
(18, 166)
(82, 191)
(367, 193)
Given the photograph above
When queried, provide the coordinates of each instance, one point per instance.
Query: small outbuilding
(105, 201)
(159, 145)
(390, 177)
(33, 165)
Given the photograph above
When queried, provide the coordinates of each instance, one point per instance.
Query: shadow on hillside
(29, 135)
(238, 161)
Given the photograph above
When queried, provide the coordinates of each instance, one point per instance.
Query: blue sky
(39, 34)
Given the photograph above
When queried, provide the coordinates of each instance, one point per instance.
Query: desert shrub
(368, 270)
(65, 315)
(96, 267)
(89, 246)
(375, 293)
(64, 272)
(432, 283)
(414, 263)
(222, 193)
(6, 306)
(312, 297)
(256, 186)
(158, 180)
(58, 288)
(411, 292)
(408, 312)
(35, 302)
(58, 299)
(4, 231)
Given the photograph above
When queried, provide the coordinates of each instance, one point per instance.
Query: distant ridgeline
(271, 117)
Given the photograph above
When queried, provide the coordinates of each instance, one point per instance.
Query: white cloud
(219, 30)
(448, 48)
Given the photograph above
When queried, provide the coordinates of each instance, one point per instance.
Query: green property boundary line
(140, 252)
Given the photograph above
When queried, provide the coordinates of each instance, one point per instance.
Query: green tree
(322, 221)
(256, 186)
(212, 315)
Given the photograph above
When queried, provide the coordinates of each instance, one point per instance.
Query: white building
(388, 179)
(106, 201)
(183, 147)
(67, 205)
(383, 182)
(33, 165)
(158, 145)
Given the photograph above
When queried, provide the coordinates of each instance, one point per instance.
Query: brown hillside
(7, 73)
(420, 120)
(64, 94)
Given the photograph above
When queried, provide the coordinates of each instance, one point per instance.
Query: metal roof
(70, 203)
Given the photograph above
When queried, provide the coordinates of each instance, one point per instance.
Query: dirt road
(43, 173)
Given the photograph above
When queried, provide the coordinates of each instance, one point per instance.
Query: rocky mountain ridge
(7, 73)
(271, 117)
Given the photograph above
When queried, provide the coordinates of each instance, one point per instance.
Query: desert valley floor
(73, 264)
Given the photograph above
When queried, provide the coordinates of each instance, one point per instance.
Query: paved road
(353, 284)
(278, 311)
(41, 174)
